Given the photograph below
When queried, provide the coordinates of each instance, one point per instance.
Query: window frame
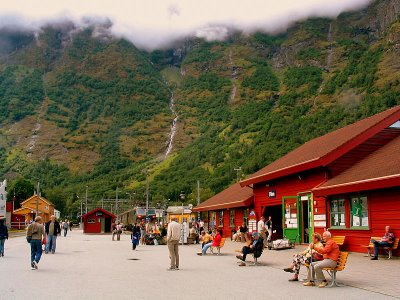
(232, 218)
(338, 213)
(351, 198)
(246, 212)
(220, 218)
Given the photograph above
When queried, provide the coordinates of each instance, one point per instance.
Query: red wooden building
(98, 221)
(347, 180)
(228, 209)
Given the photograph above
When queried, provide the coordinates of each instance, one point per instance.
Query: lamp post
(147, 192)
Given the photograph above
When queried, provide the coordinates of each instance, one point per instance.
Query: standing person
(65, 227)
(173, 236)
(201, 226)
(142, 232)
(3, 236)
(330, 257)
(52, 229)
(135, 236)
(118, 229)
(261, 229)
(269, 228)
(70, 225)
(386, 241)
(36, 236)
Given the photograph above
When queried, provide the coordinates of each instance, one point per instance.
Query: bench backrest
(342, 261)
(339, 239)
(222, 243)
(378, 238)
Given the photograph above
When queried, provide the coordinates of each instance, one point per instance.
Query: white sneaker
(35, 265)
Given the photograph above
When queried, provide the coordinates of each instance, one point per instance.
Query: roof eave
(358, 186)
(232, 204)
(283, 172)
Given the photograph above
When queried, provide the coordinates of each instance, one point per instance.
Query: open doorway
(275, 211)
(305, 222)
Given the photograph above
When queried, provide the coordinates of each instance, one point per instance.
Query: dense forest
(82, 110)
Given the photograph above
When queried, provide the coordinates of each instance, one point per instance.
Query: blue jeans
(380, 244)
(205, 248)
(51, 240)
(36, 250)
(2, 241)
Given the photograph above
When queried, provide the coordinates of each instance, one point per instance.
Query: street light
(80, 224)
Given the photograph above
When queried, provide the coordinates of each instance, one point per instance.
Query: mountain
(82, 108)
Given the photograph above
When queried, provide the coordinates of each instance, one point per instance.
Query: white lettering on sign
(319, 217)
(321, 224)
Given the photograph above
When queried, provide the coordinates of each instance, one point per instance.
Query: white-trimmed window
(246, 216)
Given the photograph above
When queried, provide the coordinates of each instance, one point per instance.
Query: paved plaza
(94, 267)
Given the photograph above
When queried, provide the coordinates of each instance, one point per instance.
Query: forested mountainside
(82, 108)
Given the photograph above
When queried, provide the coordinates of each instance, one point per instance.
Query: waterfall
(174, 126)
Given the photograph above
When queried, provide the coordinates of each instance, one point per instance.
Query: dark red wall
(384, 209)
(287, 186)
(92, 228)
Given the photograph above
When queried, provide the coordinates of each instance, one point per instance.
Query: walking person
(135, 237)
(52, 229)
(70, 225)
(118, 231)
(3, 236)
(269, 228)
(36, 236)
(173, 236)
(65, 227)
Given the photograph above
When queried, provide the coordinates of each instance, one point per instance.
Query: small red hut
(97, 221)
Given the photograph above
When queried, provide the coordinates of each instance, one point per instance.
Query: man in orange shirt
(331, 255)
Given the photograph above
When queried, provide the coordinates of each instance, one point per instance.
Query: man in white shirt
(173, 237)
(261, 229)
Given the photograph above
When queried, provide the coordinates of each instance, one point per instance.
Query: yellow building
(28, 208)
(176, 212)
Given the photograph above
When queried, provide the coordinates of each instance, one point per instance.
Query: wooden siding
(287, 186)
(384, 209)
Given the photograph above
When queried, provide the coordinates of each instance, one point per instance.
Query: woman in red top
(215, 243)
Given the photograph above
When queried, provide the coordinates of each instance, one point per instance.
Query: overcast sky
(153, 23)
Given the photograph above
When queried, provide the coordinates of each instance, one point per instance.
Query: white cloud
(153, 23)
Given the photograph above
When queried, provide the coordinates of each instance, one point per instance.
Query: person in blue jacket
(3, 236)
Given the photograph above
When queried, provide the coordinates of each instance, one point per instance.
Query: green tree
(22, 188)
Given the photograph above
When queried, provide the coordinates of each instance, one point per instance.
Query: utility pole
(80, 224)
(238, 169)
(116, 202)
(147, 192)
(86, 200)
(198, 197)
(37, 200)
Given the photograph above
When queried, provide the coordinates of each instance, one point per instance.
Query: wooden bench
(341, 264)
(339, 239)
(221, 244)
(388, 250)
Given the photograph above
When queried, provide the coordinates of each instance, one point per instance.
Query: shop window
(221, 218)
(359, 211)
(232, 218)
(212, 219)
(246, 216)
(338, 213)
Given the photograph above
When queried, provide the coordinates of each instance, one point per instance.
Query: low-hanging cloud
(155, 23)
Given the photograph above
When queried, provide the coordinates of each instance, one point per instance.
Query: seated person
(243, 232)
(215, 242)
(386, 241)
(193, 234)
(250, 249)
(236, 235)
(304, 257)
(205, 238)
(330, 257)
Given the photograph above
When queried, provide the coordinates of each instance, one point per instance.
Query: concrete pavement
(94, 267)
